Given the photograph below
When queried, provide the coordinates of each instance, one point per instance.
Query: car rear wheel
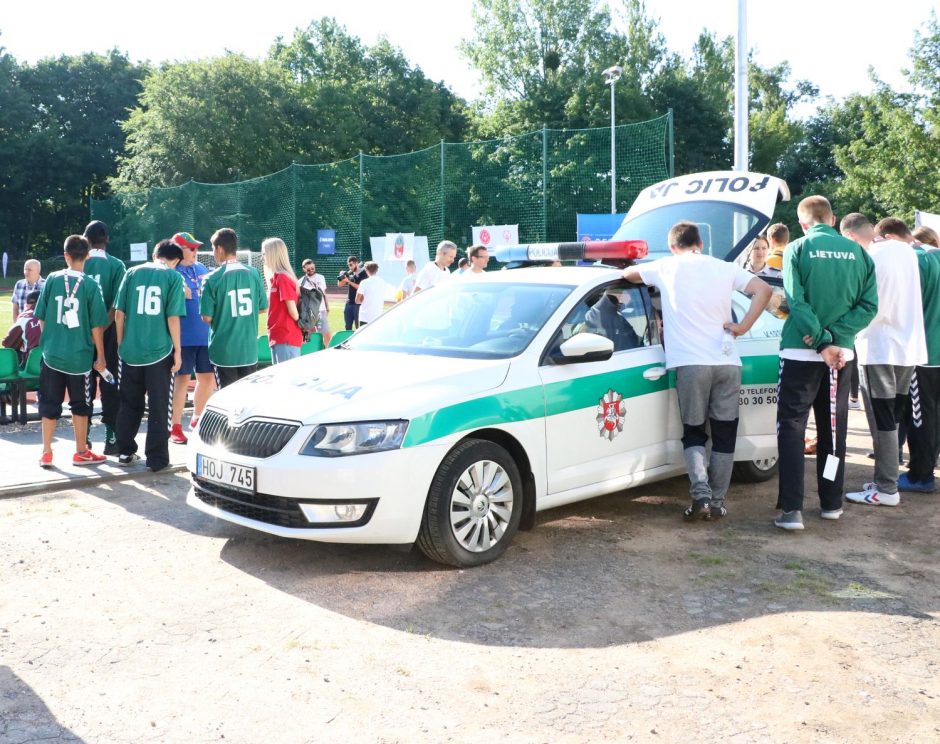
(473, 507)
(756, 471)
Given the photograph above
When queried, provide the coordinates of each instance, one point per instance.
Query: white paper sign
(495, 235)
(832, 468)
(138, 251)
(399, 246)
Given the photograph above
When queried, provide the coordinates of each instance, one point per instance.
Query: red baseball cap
(185, 240)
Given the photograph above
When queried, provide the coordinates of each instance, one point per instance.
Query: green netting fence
(539, 180)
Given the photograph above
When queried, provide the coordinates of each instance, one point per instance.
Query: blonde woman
(284, 334)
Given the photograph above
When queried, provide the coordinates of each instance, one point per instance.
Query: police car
(457, 415)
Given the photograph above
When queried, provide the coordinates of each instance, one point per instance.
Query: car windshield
(725, 228)
(470, 319)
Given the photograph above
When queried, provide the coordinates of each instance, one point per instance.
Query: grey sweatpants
(708, 395)
(885, 390)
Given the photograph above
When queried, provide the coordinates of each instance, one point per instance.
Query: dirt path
(127, 617)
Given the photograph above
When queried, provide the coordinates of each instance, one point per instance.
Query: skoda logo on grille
(237, 415)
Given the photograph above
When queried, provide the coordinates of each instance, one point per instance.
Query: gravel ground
(126, 616)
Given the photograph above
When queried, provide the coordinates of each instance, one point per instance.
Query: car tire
(756, 471)
(460, 520)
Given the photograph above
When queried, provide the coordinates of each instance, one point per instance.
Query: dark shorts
(195, 359)
(227, 375)
(52, 387)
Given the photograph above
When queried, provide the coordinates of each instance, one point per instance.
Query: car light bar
(590, 250)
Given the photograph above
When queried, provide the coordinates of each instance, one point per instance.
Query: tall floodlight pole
(740, 91)
(611, 76)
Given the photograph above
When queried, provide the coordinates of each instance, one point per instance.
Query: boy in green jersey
(923, 430)
(73, 317)
(232, 297)
(148, 307)
(108, 271)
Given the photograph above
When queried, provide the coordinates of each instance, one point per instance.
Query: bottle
(727, 343)
(107, 376)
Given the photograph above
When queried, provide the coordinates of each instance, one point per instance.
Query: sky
(829, 42)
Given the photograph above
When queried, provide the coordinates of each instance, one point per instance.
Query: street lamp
(611, 76)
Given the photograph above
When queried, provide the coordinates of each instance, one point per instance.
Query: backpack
(308, 308)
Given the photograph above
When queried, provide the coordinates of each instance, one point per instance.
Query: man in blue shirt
(194, 339)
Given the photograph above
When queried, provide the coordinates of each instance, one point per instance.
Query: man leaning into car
(698, 329)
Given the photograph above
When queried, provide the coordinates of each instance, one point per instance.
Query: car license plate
(228, 474)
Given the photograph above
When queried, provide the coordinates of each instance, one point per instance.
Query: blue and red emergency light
(588, 250)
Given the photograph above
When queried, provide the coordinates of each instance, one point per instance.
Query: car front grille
(251, 439)
(260, 507)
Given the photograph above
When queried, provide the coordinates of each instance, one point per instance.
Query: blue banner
(598, 226)
(326, 242)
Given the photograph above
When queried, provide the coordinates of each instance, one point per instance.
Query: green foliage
(212, 120)
(891, 165)
(59, 138)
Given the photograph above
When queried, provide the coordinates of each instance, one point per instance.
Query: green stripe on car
(555, 398)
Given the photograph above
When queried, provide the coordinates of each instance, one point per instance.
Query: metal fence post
(361, 199)
(671, 148)
(443, 237)
(544, 183)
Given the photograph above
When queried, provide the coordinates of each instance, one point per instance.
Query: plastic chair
(264, 351)
(29, 378)
(10, 378)
(314, 343)
(339, 337)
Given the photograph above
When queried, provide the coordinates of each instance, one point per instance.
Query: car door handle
(654, 373)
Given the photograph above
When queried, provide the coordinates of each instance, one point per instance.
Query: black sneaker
(717, 510)
(110, 442)
(700, 509)
(127, 460)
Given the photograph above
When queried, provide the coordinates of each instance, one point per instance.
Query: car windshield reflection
(464, 319)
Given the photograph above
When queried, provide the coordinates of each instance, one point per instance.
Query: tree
(213, 120)
(891, 166)
(59, 139)
(374, 100)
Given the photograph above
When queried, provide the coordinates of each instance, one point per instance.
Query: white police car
(458, 414)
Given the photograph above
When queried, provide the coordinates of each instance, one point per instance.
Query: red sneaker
(177, 436)
(46, 460)
(193, 423)
(88, 458)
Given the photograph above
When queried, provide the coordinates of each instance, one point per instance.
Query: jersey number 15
(240, 300)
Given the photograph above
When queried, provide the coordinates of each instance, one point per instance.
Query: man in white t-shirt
(371, 294)
(312, 280)
(698, 331)
(888, 350)
(479, 258)
(436, 272)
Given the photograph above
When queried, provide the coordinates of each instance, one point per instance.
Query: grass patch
(708, 560)
(803, 583)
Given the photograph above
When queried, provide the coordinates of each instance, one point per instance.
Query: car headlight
(339, 440)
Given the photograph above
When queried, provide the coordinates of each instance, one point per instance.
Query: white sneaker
(874, 498)
(831, 514)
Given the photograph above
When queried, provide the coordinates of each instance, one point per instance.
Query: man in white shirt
(888, 350)
(436, 272)
(479, 258)
(312, 280)
(698, 328)
(371, 294)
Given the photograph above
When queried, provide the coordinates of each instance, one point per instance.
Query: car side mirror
(584, 347)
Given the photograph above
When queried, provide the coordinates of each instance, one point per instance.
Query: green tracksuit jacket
(831, 290)
(929, 264)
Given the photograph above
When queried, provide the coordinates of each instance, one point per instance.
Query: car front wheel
(473, 507)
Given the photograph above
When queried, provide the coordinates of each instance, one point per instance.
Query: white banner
(496, 235)
(926, 219)
(392, 272)
(139, 252)
(399, 246)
